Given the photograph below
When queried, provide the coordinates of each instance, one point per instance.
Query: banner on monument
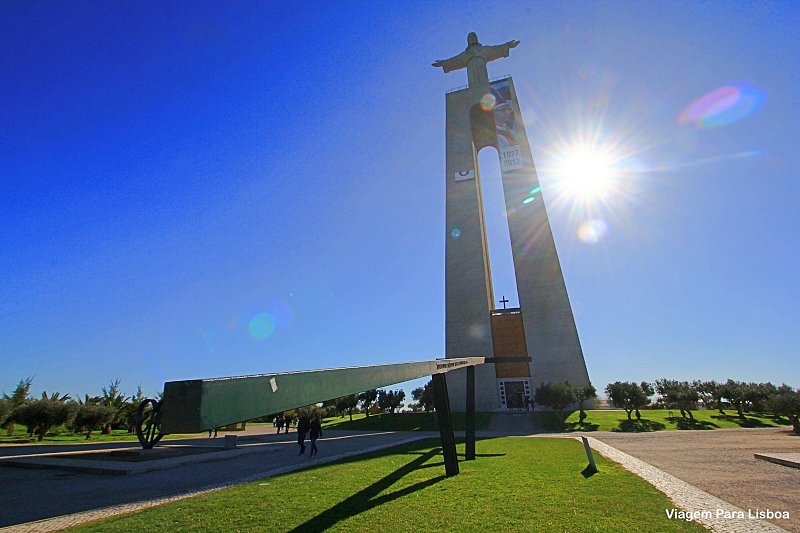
(508, 129)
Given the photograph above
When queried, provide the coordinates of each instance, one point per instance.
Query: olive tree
(630, 396)
(391, 400)
(583, 394)
(41, 415)
(424, 397)
(711, 390)
(786, 402)
(679, 395)
(734, 392)
(368, 399)
(756, 395)
(556, 396)
(346, 404)
(92, 416)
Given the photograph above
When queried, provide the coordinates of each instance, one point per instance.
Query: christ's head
(472, 39)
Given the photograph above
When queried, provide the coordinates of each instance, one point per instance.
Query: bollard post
(592, 466)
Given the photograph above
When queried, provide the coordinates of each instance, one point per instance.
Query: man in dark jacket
(303, 425)
(315, 432)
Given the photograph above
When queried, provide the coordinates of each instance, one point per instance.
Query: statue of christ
(474, 59)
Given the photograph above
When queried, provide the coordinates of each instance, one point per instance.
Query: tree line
(110, 410)
(387, 401)
(686, 396)
(114, 410)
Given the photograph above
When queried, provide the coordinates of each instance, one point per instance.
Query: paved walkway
(714, 513)
(514, 423)
(50, 500)
(722, 462)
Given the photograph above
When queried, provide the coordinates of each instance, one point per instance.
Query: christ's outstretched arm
(454, 63)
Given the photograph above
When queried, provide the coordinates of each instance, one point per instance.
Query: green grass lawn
(401, 422)
(516, 484)
(664, 419)
(62, 436)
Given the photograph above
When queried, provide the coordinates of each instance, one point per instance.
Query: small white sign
(273, 384)
(462, 175)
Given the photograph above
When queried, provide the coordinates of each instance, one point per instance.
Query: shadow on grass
(477, 455)
(639, 426)
(366, 499)
(588, 471)
(685, 423)
(580, 426)
(549, 420)
(404, 422)
(744, 422)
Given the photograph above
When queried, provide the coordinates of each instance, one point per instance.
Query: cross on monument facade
(486, 115)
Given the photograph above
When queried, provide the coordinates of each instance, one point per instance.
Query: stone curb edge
(686, 496)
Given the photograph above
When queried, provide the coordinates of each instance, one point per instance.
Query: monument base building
(539, 338)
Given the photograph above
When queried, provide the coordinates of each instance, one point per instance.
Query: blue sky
(202, 189)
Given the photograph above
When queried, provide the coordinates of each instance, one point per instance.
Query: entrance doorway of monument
(513, 393)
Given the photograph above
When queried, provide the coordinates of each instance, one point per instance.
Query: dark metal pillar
(470, 436)
(445, 425)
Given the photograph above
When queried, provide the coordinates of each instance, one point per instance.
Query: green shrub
(41, 415)
(5, 410)
(91, 416)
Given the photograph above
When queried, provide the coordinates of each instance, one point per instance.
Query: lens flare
(456, 233)
(587, 172)
(261, 326)
(591, 231)
(488, 101)
(723, 106)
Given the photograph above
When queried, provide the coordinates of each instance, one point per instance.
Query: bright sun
(586, 173)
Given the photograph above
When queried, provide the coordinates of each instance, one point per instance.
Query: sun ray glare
(587, 172)
(677, 165)
(593, 157)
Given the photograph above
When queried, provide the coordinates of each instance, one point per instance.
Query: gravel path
(721, 463)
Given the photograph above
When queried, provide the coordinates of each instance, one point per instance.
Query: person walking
(279, 422)
(314, 432)
(303, 425)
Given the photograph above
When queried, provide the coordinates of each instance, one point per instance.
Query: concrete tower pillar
(543, 328)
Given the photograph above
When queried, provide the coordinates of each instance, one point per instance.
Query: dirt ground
(721, 463)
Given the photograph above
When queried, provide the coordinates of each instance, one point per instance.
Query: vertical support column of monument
(467, 286)
(445, 425)
(550, 332)
(469, 446)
